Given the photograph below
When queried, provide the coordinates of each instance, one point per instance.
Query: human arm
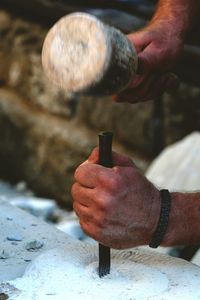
(159, 46)
(184, 225)
(120, 208)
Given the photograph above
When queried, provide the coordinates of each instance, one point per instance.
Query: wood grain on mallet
(81, 54)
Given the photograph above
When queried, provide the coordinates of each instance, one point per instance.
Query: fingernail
(138, 79)
(116, 98)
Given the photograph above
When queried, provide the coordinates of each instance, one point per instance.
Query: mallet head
(83, 55)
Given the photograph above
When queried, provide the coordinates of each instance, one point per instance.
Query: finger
(86, 176)
(91, 229)
(145, 89)
(143, 92)
(94, 156)
(82, 195)
(147, 61)
(155, 85)
(138, 79)
(140, 40)
(91, 175)
(85, 215)
(118, 159)
(168, 82)
(116, 98)
(82, 212)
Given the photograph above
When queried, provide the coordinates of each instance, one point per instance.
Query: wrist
(169, 27)
(167, 12)
(183, 222)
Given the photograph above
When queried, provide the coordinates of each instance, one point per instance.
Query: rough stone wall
(182, 112)
(130, 123)
(41, 148)
(44, 134)
(20, 52)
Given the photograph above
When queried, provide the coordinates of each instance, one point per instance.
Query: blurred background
(45, 134)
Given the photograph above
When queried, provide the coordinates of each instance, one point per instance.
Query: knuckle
(92, 231)
(95, 153)
(77, 173)
(84, 227)
(97, 233)
(81, 171)
(74, 190)
(76, 209)
(118, 169)
(74, 205)
(101, 203)
(100, 220)
(112, 183)
(109, 206)
(101, 206)
(104, 204)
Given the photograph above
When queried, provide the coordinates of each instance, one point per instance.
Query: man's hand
(158, 49)
(159, 46)
(116, 206)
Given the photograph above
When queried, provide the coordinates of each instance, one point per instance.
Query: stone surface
(72, 228)
(182, 112)
(39, 207)
(137, 274)
(19, 196)
(42, 148)
(177, 167)
(131, 124)
(15, 223)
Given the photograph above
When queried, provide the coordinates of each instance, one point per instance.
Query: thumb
(118, 159)
(140, 40)
(147, 61)
(94, 156)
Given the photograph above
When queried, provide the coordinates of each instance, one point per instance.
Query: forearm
(179, 13)
(184, 220)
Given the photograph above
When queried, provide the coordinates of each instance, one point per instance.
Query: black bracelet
(163, 221)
